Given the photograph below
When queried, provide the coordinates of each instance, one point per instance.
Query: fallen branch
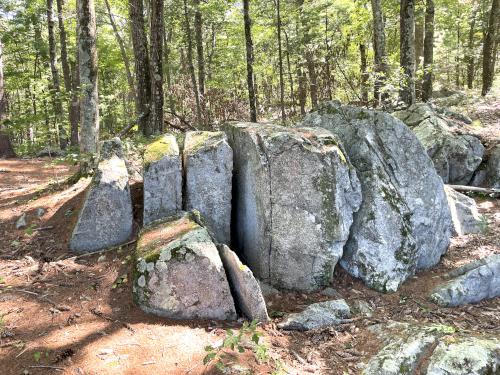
(76, 257)
(109, 319)
(474, 189)
(48, 367)
(182, 120)
(131, 125)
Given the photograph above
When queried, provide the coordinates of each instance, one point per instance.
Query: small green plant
(442, 328)
(484, 226)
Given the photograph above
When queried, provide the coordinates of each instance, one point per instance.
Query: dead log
(474, 189)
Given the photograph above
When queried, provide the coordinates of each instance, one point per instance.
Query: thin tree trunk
(364, 73)
(489, 55)
(3, 103)
(428, 51)
(141, 57)
(470, 46)
(89, 105)
(381, 67)
(313, 79)
(302, 90)
(75, 102)
(198, 30)
(457, 57)
(280, 61)
(157, 29)
(419, 39)
(249, 55)
(166, 52)
(407, 51)
(290, 75)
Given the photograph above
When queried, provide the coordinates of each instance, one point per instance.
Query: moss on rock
(165, 145)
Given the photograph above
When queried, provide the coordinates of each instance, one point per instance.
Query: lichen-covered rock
(488, 174)
(208, 170)
(245, 287)
(317, 316)
(464, 213)
(295, 192)
(465, 356)
(179, 274)
(471, 283)
(455, 157)
(404, 222)
(106, 218)
(162, 179)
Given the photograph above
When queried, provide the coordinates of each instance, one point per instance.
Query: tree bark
(280, 61)
(419, 39)
(302, 90)
(364, 74)
(290, 75)
(3, 106)
(489, 47)
(157, 29)
(141, 63)
(428, 51)
(89, 100)
(407, 51)
(381, 67)
(470, 46)
(249, 55)
(198, 30)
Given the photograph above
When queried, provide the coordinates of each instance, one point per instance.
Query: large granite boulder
(162, 179)
(106, 218)
(455, 157)
(404, 222)
(488, 174)
(464, 213)
(179, 274)
(295, 192)
(470, 283)
(245, 286)
(208, 170)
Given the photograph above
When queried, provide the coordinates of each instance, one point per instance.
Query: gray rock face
(106, 218)
(317, 316)
(162, 179)
(208, 168)
(464, 212)
(488, 174)
(179, 273)
(467, 356)
(21, 221)
(294, 196)
(455, 157)
(471, 283)
(244, 285)
(404, 222)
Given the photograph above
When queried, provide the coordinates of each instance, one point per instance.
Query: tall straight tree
(490, 46)
(89, 99)
(280, 60)
(428, 50)
(141, 58)
(3, 106)
(381, 67)
(157, 29)
(470, 45)
(198, 31)
(249, 54)
(364, 73)
(407, 51)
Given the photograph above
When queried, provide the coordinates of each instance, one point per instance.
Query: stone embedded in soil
(404, 223)
(294, 197)
(162, 179)
(465, 356)
(464, 212)
(208, 171)
(317, 316)
(106, 218)
(245, 287)
(471, 283)
(21, 221)
(179, 274)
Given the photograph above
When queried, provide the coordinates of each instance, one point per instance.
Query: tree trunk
(249, 55)
(364, 74)
(3, 106)
(89, 100)
(290, 75)
(313, 80)
(470, 46)
(6, 149)
(75, 102)
(166, 58)
(419, 39)
(381, 67)
(302, 90)
(198, 30)
(280, 61)
(457, 56)
(141, 57)
(157, 29)
(428, 51)
(407, 51)
(489, 53)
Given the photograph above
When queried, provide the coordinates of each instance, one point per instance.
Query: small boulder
(208, 171)
(464, 213)
(488, 174)
(317, 316)
(179, 274)
(245, 287)
(106, 218)
(162, 179)
(471, 283)
(21, 221)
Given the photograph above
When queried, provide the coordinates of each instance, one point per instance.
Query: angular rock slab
(179, 274)
(464, 213)
(208, 170)
(245, 286)
(455, 157)
(317, 316)
(106, 218)
(294, 196)
(488, 174)
(466, 356)
(470, 283)
(404, 222)
(162, 179)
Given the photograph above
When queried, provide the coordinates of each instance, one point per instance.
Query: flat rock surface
(464, 213)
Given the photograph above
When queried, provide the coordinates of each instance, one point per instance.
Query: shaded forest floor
(74, 315)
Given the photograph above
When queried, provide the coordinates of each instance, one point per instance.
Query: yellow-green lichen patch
(197, 140)
(165, 145)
